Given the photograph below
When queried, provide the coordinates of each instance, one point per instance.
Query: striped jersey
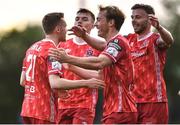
(149, 61)
(81, 97)
(39, 98)
(118, 77)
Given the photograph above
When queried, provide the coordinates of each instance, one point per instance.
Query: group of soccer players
(61, 79)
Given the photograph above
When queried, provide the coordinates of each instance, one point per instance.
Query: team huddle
(61, 78)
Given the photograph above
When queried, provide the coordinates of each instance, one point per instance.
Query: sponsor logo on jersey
(115, 44)
(138, 54)
(114, 47)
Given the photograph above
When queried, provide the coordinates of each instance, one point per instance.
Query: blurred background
(20, 26)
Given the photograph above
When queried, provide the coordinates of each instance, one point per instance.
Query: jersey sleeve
(115, 49)
(54, 67)
(159, 42)
(157, 39)
(24, 64)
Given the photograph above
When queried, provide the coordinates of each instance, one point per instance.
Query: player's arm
(96, 43)
(83, 73)
(60, 83)
(166, 39)
(94, 63)
(22, 78)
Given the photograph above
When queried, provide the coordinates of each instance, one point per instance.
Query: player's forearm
(72, 84)
(60, 83)
(85, 62)
(94, 42)
(166, 36)
(84, 73)
(22, 79)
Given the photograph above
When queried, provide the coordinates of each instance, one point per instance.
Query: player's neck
(53, 38)
(111, 34)
(144, 34)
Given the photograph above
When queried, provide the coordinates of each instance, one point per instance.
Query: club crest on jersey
(89, 52)
(56, 65)
(116, 41)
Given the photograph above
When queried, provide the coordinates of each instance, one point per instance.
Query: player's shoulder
(152, 37)
(69, 40)
(66, 44)
(33, 45)
(130, 35)
(47, 42)
(41, 47)
(41, 43)
(155, 35)
(119, 39)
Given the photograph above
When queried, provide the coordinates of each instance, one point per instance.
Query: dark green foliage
(172, 69)
(12, 50)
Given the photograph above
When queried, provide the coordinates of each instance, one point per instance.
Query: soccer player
(41, 74)
(116, 65)
(148, 51)
(79, 106)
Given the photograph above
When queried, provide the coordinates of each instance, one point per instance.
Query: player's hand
(78, 31)
(154, 21)
(58, 54)
(95, 83)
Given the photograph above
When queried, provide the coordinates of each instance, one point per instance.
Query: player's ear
(111, 22)
(57, 29)
(149, 20)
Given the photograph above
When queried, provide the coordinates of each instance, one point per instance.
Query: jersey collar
(146, 36)
(49, 40)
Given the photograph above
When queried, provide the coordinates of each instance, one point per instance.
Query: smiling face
(140, 21)
(102, 24)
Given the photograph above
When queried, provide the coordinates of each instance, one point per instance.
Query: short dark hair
(50, 21)
(147, 8)
(113, 12)
(84, 10)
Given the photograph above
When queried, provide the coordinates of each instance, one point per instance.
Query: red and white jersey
(149, 60)
(83, 97)
(39, 98)
(118, 77)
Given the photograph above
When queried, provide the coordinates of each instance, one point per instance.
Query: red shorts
(29, 120)
(153, 113)
(120, 118)
(75, 116)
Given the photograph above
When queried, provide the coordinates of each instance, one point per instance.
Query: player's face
(102, 24)
(63, 30)
(140, 21)
(85, 20)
